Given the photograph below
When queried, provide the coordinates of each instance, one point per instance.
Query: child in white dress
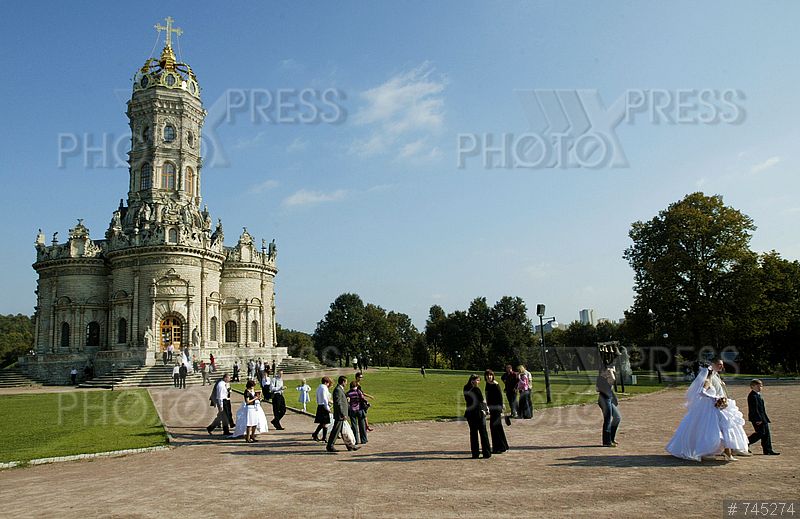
(305, 390)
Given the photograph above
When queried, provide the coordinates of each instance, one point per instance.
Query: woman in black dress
(494, 399)
(476, 418)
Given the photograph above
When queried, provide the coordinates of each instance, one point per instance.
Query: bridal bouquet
(721, 403)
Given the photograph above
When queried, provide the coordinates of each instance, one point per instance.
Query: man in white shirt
(278, 402)
(170, 349)
(221, 399)
(176, 374)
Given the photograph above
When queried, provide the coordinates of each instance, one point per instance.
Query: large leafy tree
(298, 344)
(692, 266)
(16, 337)
(341, 333)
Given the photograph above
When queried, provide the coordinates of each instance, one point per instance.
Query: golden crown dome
(166, 71)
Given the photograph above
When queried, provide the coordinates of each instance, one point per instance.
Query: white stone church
(162, 275)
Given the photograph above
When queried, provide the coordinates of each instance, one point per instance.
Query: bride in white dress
(248, 416)
(731, 418)
(699, 433)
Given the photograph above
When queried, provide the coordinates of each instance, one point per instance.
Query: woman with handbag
(494, 400)
(476, 418)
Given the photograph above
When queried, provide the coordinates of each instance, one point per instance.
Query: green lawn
(401, 394)
(77, 422)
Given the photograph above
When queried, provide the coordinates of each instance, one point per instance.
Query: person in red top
(213, 363)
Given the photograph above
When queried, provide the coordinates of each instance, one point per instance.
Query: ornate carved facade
(162, 274)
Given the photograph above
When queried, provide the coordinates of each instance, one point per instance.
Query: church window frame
(254, 331)
(190, 139)
(122, 330)
(146, 176)
(169, 133)
(93, 334)
(168, 176)
(64, 335)
(213, 329)
(231, 331)
(172, 235)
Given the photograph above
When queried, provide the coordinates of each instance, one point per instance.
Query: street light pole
(540, 313)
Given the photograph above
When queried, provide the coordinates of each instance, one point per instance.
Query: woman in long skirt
(494, 399)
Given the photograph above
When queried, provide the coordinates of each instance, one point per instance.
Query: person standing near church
(236, 371)
(213, 363)
(164, 356)
(757, 414)
(220, 397)
(73, 375)
(176, 376)
(278, 401)
(182, 372)
(170, 350)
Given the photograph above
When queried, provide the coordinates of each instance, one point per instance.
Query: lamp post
(540, 313)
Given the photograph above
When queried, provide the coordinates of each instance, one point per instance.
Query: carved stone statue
(40, 239)
(195, 338)
(149, 338)
(273, 249)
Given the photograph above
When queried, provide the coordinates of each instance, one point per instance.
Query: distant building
(549, 327)
(587, 316)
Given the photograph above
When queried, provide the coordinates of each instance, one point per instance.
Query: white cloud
(297, 145)
(252, 142)
(305, 197)
(292, 65)
(763, 166)
(263, 186)
(403, 113)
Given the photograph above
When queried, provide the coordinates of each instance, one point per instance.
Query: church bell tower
(166, 119)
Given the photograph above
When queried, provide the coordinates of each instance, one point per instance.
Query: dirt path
(554, 469)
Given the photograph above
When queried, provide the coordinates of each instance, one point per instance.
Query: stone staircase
(292, 365)
(14, 377)
(144, 376)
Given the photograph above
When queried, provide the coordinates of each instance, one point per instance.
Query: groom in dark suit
(757, 414)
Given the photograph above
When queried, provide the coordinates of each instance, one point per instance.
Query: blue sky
(375, 204)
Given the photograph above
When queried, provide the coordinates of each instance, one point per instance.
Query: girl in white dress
(699, 432)
(304, 399)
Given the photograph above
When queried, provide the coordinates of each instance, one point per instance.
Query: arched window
(93, 334)
(168, 176)
(172, 236)
(146, 176)
(213, 328)
(122, 331)
(230, 332)
(189, 181)
(169, 133)
(65, 335)
(254, 331)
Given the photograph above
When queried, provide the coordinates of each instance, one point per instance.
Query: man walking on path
(221, 399)
(278, 401)
(340, 414)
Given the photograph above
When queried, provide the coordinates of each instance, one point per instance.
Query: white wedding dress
(241, 419)
(699, 433)
(731, 420)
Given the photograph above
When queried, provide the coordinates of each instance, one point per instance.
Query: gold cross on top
(169, 30)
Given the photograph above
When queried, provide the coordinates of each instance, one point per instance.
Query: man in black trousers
(220, 398)
(757, 414)
(182, 372)
(340, 414)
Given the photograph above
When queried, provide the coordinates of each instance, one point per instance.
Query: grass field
(78, 422)
(402, 394)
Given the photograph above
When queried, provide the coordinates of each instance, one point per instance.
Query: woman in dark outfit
(476, 418)
(494, 399)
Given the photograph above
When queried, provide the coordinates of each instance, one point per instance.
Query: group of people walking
(713, 423)
(342, 413)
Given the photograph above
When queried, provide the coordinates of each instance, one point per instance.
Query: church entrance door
(171, 332)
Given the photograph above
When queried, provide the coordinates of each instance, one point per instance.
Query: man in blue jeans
(607, 401)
